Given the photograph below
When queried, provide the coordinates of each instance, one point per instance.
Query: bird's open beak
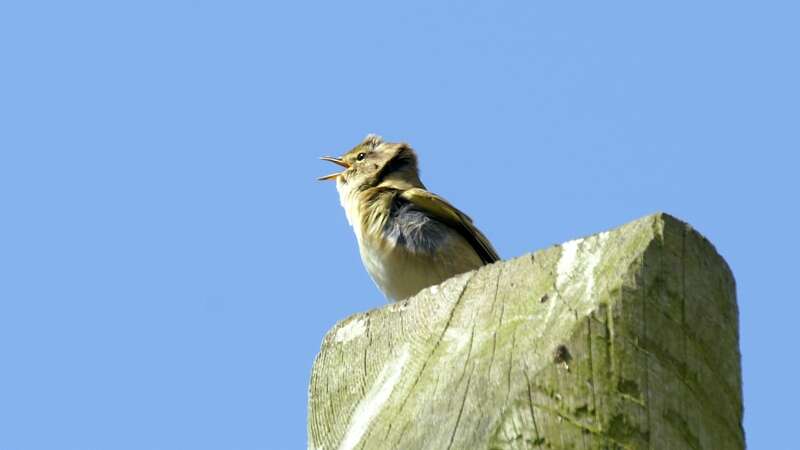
(334, 160)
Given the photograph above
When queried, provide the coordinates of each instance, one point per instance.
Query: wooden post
(625, 339)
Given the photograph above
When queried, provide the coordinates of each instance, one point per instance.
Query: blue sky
(170, 266)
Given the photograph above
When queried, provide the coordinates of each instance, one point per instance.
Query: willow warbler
(409, 238)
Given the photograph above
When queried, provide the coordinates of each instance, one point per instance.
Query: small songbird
(409, 238)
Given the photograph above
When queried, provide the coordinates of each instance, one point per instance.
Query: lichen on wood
(625, 339)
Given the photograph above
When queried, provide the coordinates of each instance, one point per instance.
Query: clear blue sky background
(169, 265)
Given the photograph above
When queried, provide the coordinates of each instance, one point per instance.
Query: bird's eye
(360, 156)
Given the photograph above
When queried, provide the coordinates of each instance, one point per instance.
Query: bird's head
(373, 163)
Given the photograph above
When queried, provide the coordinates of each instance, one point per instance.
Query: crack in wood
(530, 407)
(461, 410)
(510, 364)
(435, 346)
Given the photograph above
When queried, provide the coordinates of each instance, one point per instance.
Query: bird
(408, 237)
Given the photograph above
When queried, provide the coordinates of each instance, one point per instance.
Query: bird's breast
(410, 251)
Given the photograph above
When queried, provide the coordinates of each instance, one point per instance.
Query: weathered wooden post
(625, 339)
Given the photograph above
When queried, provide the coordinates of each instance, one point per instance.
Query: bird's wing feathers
(448, 214)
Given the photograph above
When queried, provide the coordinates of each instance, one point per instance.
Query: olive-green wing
(441, 210)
